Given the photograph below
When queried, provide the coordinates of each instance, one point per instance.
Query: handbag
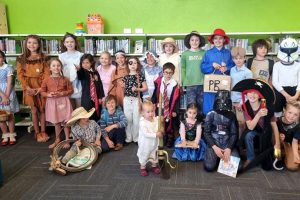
(214, 82)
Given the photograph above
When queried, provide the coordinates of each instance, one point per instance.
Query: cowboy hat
(188, 38)
(169, 40)
(219, 32)
(80, 113)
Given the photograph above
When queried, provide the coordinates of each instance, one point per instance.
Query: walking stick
(163, 156)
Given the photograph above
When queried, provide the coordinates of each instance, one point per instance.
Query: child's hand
(30, 91)
(223, 69)
(183, 143)
(109, 128)
(5, 100)
(37, 91)
(97, 143)
(110, 143)
(237, 106)
(282, 137)
(77, 67)
(263, 112)
(195, 144)
(216, 65)
(159, 134)
(227, 153)
(218, 151)
(134, 89)
(78, 143)
(174, 114)
(100, 101)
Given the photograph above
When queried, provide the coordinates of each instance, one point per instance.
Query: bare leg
(57, 135)
(3, 127)
(34, 113)
(67, 135)
(11, 123)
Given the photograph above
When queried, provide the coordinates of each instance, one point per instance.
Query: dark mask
(223, 101)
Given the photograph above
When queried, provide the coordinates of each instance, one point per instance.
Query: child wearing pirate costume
(168, 87)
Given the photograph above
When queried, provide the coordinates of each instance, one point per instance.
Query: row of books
(94, 46)
(8, 46)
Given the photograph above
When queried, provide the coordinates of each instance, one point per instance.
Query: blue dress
(185, 154)
(6, 71)
(211, 56)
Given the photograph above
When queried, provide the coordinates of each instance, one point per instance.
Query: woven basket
(4, 116)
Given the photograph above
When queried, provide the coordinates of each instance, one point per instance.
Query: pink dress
(106, 76)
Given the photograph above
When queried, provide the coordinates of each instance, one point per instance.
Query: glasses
(168, 73)
(131, 63)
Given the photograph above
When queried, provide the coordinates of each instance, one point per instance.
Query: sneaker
(144, 172)
(156, 170)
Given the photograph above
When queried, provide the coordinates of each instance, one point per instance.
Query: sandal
(38, 137)
(44, 136)
(51, 146)
(12, 138)
(144, 172)
(156, 169)
(5, 136)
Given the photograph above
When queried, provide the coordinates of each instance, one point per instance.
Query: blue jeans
(194, 94)
(249, 144)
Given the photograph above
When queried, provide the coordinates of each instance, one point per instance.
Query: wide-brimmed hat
(188, 38)
(80, 113)
(169, 40)
(219, 32)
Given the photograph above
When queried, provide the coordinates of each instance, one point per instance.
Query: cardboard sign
(214, 82)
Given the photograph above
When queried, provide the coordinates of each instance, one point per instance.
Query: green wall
(154, 16)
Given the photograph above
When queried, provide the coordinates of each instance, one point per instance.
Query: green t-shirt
(190, 68)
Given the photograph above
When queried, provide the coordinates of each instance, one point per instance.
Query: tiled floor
(116, 176)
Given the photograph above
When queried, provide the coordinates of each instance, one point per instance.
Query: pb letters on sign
(214, 82)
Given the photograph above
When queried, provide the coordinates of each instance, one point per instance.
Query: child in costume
(167, 86)
(135, 83)
(217, 60)
(57, 90)
(152, 71)
(237, 73)
(286, 74)
(170, 54)
(32, 69)
(70, 58)
(191, 75)
(260, 66)
(148, 139)
(260, 122)
(289, 129)
(117, 86)
(92, 88)
(220, 132)
(8, 101)
(113, 123)
(83, 129)
(190, 134)
(105, 70)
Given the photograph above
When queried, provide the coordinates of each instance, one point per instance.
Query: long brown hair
(61, 65)
(26, 51)
(62, 45)
(139, 66)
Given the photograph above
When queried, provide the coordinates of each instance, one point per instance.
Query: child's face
(69, 43)
(168, 73)
(32, 44)
(194, 42)
(84, 121)
(86, 64)
(191, 113)
(239, 60)
(111, 106)
(150, 60)
(104, 59)
(252, 97)
(120, 59)
(261, 51)
(133, 65)
(1, 60)
(148, 112)
(218, 41)
(291, 114)
(169, 48)
(55, 67)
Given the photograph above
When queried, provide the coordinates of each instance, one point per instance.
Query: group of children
(124, 99)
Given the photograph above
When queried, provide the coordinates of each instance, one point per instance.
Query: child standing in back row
(8, 101)
(70, 56)
(32, 69)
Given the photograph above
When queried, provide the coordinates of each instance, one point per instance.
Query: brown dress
(117, 88)
(31, 74)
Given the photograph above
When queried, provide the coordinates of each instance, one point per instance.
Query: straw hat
(80, 113)
(219, 32)
(169, 40)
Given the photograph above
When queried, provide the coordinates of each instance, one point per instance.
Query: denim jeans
(194, 94)
(249, 144)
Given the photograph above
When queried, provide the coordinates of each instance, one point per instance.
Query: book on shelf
(229, 168)
(8, 46)
(139, 47)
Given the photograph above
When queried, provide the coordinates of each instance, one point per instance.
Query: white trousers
(131, 111)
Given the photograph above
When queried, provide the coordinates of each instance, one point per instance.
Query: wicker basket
(4, 116)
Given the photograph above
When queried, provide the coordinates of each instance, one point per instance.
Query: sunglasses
(131, 62)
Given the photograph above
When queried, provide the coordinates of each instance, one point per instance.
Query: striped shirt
(88, 133)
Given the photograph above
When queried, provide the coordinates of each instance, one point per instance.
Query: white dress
(148, 142)
(5, 72)
(69, 60)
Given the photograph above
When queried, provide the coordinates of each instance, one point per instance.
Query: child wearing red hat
(217, 60)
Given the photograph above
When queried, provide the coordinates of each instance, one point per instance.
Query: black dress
(86, 101)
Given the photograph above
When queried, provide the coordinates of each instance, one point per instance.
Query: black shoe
(126, 143)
